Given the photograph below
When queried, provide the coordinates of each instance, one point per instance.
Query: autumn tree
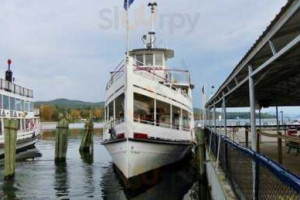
(84, 113)
(98, 113)
(75, 114)
(46, 112)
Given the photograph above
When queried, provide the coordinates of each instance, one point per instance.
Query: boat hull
(136, 156)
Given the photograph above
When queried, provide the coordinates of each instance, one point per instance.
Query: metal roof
(275, 60)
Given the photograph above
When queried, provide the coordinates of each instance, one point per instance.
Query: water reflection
(9, 190)
(170, 182)
(92, 176)
(61, 180)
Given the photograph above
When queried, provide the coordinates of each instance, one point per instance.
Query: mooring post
(201, 153)
(61, 141)
(10, 142)
(87, 139)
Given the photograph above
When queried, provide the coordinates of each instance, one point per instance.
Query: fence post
(61, 141)
(279, 148)
(10, 142)
(247, 136)
(87, 139)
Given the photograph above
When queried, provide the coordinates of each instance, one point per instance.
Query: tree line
(50, 113)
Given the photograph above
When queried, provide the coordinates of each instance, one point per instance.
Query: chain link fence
(271, 181)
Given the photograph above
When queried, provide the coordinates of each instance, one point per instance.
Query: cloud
(60, 50)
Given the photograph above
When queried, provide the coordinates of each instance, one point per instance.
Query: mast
(127, 28)
(151, 34)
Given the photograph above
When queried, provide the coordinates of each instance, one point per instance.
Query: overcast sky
(67, 48)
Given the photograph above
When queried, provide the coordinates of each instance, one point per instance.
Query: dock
(254, 162)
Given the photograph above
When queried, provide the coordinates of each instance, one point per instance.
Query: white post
(210, 125)
(253, 131)
(171, 116)
(155, 112)
(224, 115)
(215, 119)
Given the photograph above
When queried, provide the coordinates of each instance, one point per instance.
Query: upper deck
(152, 64)
(15, 89)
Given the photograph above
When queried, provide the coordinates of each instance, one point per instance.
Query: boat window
(18, 104)
(149, 59)
(22, 105)
(159, 59)
(139, 59)
(185, 120)
(5, 102)
(163, 114)
(27, 106)
(31, 106)
(1, 104)
(143, 109)
(176, 117)
(12, 103)
(106, 110)
(111, 111)
(119, 103)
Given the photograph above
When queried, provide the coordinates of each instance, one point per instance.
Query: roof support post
(255, 169)
(224, 114)
(210, 129)
(259, 130)
(215, 119)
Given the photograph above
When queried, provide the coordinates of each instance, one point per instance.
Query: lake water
(93, 176)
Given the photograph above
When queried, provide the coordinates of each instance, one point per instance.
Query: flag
(129, 4)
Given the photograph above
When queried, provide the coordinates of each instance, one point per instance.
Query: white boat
(148, 111)
(16, 102)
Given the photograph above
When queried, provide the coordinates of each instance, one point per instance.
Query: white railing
(116, 74)
(16, 89)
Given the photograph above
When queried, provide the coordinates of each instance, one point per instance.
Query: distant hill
(67, 103)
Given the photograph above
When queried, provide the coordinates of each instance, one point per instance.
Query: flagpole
(127, 28)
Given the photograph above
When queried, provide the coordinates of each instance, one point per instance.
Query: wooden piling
(10, 142)
(61, 141)
(201, 153)
(87, 139)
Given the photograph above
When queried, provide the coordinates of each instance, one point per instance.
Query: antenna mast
(151, 34)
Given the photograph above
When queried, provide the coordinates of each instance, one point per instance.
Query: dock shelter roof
(275, 61)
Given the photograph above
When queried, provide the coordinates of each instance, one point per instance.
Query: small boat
(16, 102)
(149, 121)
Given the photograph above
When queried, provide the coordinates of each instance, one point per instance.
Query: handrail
(118, 70)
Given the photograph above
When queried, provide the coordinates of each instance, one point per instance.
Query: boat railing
(161, 124)
(14, 88)
(167, 76)
(116, 74)
(113, 123)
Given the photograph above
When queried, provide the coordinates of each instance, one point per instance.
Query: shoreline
(52, 125)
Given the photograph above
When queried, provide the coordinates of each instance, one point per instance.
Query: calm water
(92, 176)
